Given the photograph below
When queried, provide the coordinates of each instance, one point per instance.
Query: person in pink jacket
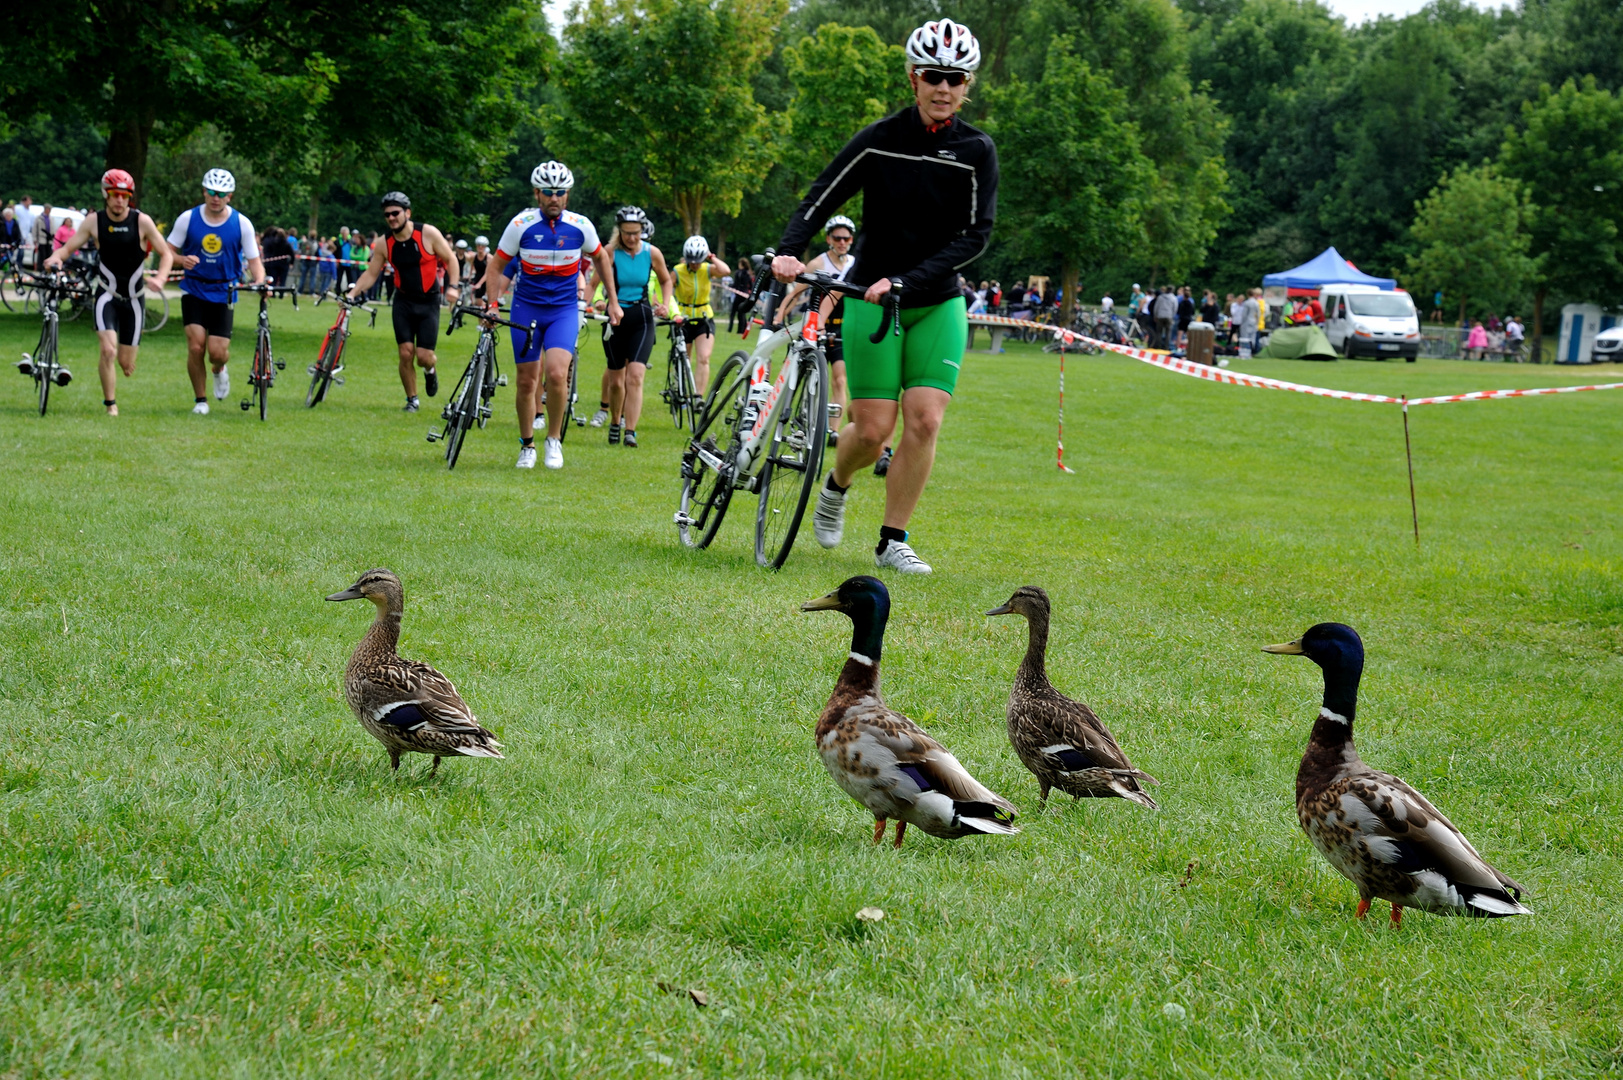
(1476, 342)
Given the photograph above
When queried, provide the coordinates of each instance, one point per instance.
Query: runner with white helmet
(550, 243)
(211, 242)
(693, 276)
(929, 187)
(841, 232)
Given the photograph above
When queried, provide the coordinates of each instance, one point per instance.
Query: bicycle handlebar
(351, 304)
(822, 283)
(57, 281)
(483, 314)
(274, 290)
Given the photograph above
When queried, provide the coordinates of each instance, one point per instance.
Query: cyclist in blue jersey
(212, 242)
(549, 243)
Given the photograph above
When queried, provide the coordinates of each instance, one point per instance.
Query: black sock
(603, 405)
(108, 402)
(836, 488)
(202, 399)
(528, 440)
(886, 535)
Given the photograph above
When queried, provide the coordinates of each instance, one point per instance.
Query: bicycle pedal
(501, 380)
(433, 436)
(338, 380)
(281, 366)
(244, 404)
(683, 519)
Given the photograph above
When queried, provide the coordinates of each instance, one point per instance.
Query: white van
(1362, 320)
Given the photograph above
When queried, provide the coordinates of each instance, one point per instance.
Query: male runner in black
(417, 253)
(124, 236)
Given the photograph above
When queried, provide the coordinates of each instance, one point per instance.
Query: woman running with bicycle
(929, 187)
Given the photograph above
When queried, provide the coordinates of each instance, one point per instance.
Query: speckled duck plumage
(406, 705)
(881, 758)
(1377, 831)
(1060, 740)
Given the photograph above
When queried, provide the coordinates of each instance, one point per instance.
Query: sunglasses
(935, 77)
(553, 192)
(839, 239)
(216, 194)
(394, 213)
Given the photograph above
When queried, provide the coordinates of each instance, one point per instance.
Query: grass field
(209, 871)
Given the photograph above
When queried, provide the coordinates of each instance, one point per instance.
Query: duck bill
(830, 602)
(351, 593)
(1290, 648)
(1003, 610)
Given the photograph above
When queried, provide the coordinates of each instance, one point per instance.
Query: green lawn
(209, 871)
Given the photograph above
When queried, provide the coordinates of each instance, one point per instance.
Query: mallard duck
(882, 759)
(1378, 832)
(1063, 744)
(406, 705)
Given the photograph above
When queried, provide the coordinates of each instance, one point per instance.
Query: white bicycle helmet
(552, 174)
(944, 44)
(481, 241)
(219, 180)
(462, 245)
(695, 249)
(836, 221)
(630, 213)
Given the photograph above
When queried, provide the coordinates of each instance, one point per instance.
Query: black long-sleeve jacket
(928, 200)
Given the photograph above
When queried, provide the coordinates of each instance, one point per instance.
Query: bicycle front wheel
(157, 312)
(44, 373)
(794, 460)
(262, 372)
(570, 397)
(322, 375)
(707, 472)
(465, 409)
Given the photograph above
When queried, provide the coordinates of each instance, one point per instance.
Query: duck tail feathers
(1142, 798)
(490, 749)
(1495, 905)
(987, 825)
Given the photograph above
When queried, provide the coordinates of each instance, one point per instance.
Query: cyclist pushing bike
(549, 242)
(929, 186)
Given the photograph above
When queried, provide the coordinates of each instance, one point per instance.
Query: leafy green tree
(1569, 154)
(655, 103)
(1472, 232)
(845, 78)
(1073, 180)
(54, 162)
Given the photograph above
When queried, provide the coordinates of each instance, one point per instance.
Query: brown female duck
(1063, 744)
(406, 705)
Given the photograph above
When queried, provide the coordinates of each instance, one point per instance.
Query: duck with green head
(882, 759)
(1378, 832)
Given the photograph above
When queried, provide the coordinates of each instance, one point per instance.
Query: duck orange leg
(1397, 915)
(878, 829)
(901, 827)
(1363, 908)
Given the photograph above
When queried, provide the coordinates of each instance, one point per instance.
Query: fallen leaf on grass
(870, 914)
(698, 997)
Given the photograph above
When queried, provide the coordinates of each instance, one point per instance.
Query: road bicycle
(469, 404)
(330, 360)
(680, 394)
(262, 376)
(763, 437)
(79, 272)
(44, 364)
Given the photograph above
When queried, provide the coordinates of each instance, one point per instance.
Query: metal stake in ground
(1414, 513)
(1060, 442)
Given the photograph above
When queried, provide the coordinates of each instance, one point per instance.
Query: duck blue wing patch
(1073, 760)
(405, 717)
(917, 777)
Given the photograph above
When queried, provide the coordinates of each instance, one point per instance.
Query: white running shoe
(828, 520)
(899, 557)
(526, 457)
(201, 408)
(554, 453)
(600, 417)
(222, 383)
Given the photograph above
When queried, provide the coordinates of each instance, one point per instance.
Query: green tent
(1298, 343)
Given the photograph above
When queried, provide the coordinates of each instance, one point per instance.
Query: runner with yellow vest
(693, 304)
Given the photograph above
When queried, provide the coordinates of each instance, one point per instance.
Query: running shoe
(412, 405)
(899, 557)
(614, 434)
(431, 382)
(526, 457)
(553, 456)
(631, 439)
(201, 408)
(828, 520)
(882, 466)
(600, 417)
(222, 383)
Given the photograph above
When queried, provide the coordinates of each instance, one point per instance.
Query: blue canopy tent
(1325, 268)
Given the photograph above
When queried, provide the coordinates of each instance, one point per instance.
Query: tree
(1569, 154)
(1074, 181)
(845, 78)
(1472, 232)
(655, 103)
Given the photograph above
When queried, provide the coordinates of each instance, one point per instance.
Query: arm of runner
(75, 242)
(605, 272)
(495, 280)
(166, 257)
(250, 251)
(177, 237)
(442, 249)
(667, 287)
(373, 271)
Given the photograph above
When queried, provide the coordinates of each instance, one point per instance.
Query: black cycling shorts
(632, 342)
(697, 328)
(214, 318)
(417, 323)
(833, 343)
(122, 315)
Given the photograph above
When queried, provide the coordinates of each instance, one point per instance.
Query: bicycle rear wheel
(465, 408)
(707, 488)
(570, 396)
(323, 374)
(45, 371)
(157, 312)
(794, 461)
(262, 370)
(9, 280)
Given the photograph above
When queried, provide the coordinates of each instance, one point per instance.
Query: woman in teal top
(628, 345)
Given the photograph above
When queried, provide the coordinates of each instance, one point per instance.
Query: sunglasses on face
(394, 213)
(215, 194)
(553, 192)
(936, 78)
(839, 239)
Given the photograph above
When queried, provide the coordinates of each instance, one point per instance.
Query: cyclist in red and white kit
(124, 237)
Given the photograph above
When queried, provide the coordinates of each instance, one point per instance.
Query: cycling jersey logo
(947, 154)
(212, 244)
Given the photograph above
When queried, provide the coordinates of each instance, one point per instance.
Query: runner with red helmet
(929, 187)
(124, 237)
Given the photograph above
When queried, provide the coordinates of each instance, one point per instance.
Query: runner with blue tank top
(212, 242)
(549, 244)
(628, 346)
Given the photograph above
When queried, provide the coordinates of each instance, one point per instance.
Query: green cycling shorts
(928, 352)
